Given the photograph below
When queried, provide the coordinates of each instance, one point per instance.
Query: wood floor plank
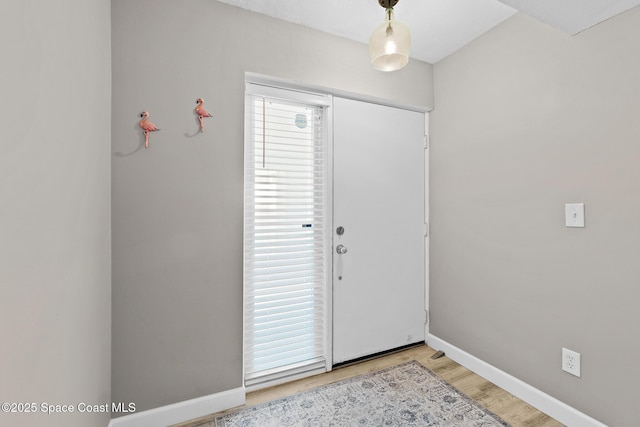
(505, 405)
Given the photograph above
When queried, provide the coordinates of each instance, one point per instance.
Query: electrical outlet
(571, 362)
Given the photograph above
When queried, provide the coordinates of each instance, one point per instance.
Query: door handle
(341, 249)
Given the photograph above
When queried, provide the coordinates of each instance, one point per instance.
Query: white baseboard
(543, 402)
(183, 411)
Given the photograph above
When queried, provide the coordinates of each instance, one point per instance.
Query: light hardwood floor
(508, 407)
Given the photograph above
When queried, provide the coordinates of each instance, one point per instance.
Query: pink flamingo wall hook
(201, 112)
(147, 127)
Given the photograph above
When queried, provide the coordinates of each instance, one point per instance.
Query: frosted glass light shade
(389, 44)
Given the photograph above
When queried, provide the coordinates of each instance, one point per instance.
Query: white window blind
(285, 254)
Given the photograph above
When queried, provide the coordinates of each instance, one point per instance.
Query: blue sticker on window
(301, 121)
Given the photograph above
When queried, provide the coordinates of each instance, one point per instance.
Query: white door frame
(258, 78)
(427, 231)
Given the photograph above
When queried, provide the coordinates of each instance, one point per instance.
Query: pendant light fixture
(390, 42)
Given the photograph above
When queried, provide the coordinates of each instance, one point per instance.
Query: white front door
(379, 199)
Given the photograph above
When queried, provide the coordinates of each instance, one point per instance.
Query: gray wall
(177, 206)
(526, 120)
(55, 208)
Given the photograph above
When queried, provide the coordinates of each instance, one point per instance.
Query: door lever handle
(341, 249)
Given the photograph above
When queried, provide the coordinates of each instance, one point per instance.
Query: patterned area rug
(404, 395)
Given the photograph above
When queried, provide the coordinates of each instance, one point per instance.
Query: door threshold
(378, 355)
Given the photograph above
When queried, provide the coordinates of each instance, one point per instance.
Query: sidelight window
(285, 227)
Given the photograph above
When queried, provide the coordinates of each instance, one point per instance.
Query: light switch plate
(574, 214)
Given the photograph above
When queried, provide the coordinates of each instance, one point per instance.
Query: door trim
(427, 236)
(266, 80)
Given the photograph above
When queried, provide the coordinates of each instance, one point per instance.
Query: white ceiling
(572, 16)
(438, 27)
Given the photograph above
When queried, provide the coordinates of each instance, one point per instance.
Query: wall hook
(201, 112)
(147, 127)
